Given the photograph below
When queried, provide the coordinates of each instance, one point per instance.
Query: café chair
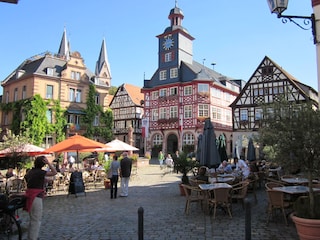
(271, 185)
(239, 191)
(276, 202)
(221, 197)
(192, 194)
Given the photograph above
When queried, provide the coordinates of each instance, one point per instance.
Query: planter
(308, 229)
(107, 184)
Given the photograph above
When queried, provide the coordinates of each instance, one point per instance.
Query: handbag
(109, 173)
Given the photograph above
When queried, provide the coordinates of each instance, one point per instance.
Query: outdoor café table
(294, 180)
(295, 190)
(221, 179)
(206, 187)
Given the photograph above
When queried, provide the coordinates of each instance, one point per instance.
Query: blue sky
(234, 34)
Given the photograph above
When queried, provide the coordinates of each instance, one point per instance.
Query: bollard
(140, 223)
(247, 219)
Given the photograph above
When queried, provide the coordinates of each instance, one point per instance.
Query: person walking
(161, 159)
(35, 179)
(125, 172)
(115, 166)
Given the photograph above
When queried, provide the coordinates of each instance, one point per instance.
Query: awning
(74, 111)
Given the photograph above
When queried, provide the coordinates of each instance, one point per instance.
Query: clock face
(167, 43)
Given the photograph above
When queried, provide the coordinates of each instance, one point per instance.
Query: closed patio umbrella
(251, 156)
(209, 155)
(222, 147)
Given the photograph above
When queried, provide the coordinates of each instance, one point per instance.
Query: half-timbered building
(182, 93)
(268, 83)
(127, 108)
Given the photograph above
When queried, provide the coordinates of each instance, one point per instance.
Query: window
(188, 139)
(50, 71)
(203, 87)
(49, 115)
(15, 96)
(72, 94)
(155, 115)
(24, 92)
(157, 139)
(163, 92)
(243, 115)
(154, 95)
(258, 114)
(173, 72)
(173, 91)
(187, 111)
(49, 92)
(174, 112)
(78, 96)
(187, 90)
(163, 75)
(97, 98)
(168, 57)
(163, 113)
(75, 75)
(203, 110)
(96, 121)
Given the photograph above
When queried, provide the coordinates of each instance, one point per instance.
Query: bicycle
(9, 222)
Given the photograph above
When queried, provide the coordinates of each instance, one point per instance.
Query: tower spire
(64, 49)
(103, 60)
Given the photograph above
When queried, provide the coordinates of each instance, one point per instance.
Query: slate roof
(187, 73)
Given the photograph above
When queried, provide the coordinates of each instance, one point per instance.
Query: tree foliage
(291, 133)
(35, 124)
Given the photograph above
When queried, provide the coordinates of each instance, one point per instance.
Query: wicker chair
(192, 194)
(276, 201)
(239, 191)
(221, 197)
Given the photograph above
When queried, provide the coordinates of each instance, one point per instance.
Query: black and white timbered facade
(268, 84)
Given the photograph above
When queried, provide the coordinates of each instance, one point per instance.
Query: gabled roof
(279, 73)
(134, 93)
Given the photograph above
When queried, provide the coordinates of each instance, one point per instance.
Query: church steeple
(64, 49)
(102, 66)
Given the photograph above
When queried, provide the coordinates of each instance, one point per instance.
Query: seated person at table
(202, 174)
(242, 166)
(225, 167)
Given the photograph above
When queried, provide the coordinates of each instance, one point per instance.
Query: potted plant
(292, 132)
(184, 164)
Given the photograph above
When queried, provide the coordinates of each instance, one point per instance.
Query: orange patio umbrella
(76, 143)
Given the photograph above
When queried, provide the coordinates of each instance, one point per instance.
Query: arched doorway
(172, 143)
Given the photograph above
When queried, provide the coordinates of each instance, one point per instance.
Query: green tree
(291, 133)
(60, 122)
(106, 120)
(91, 112)
(113, 90)
(35, 124)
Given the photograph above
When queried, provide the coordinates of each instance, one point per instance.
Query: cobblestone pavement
(96, 216)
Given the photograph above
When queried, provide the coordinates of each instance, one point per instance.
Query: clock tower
(175, 45)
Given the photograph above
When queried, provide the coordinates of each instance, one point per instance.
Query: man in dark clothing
(125, 172)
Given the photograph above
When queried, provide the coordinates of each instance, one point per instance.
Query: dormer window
(50, 71)
(163, 75)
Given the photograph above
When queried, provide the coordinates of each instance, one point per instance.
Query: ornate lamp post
(279, 6)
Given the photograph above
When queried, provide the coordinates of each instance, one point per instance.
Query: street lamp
(279, 6)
